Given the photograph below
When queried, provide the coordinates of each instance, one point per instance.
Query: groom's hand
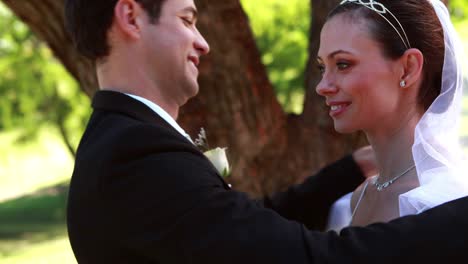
(365, 158)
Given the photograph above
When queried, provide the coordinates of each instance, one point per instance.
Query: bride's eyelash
(343, 65)
(340, 65)
(321, 68)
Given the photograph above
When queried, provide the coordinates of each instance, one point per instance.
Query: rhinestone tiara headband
(380, 9)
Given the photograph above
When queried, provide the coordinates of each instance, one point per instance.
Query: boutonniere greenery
(217, 156)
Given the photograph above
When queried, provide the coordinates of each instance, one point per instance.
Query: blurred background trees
(35, 90)
(281, 33)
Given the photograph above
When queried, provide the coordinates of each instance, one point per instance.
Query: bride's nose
(326, 86)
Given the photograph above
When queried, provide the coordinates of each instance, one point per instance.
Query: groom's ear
(412, 65)
(128, 18)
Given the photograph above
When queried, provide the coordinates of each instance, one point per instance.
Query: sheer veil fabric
(437, 152)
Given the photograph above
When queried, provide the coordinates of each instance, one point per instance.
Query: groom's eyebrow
(192, 10)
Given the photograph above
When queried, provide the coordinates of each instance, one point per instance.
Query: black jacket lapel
(124, 104)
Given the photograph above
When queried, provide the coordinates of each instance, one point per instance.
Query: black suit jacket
(142, 193)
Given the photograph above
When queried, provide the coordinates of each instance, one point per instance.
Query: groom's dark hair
(88, 22)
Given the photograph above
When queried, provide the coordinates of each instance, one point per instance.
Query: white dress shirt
(163, 114)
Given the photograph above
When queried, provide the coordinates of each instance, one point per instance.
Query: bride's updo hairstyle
(409, 24)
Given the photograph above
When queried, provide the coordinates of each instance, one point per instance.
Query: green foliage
(281, 31)
(34, 87)
(459, 10)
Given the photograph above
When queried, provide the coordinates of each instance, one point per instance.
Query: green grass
(33, 228)
(46, 205)
(47, 252)
(34, 179)
(28, 166)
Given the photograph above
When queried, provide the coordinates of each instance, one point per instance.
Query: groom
(141, 192)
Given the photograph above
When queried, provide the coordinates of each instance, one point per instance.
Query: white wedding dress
(443, 186)
(340, 213)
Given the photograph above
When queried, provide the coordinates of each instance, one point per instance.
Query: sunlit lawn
(42, 162)
(44, 243)
(53, 251)
(32, 220)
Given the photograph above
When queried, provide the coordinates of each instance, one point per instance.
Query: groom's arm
(198, 221)
(438, 235)
(171, 207)
(310, 202)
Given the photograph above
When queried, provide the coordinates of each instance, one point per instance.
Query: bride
(392, 68)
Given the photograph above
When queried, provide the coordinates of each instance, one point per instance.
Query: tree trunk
(236, 105)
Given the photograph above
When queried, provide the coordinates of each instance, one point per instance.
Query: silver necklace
(383, 185)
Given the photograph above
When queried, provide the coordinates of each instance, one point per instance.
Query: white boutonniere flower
(217, 156)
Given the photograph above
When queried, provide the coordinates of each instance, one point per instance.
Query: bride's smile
(359, 83)
(338, 107)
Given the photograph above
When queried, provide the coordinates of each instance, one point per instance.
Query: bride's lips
(338, 107)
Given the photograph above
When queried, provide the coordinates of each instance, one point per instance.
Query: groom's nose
(201, 44)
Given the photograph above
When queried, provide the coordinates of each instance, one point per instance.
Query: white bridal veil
(436, 150)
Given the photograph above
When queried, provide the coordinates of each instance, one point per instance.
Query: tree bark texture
(237, 106)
